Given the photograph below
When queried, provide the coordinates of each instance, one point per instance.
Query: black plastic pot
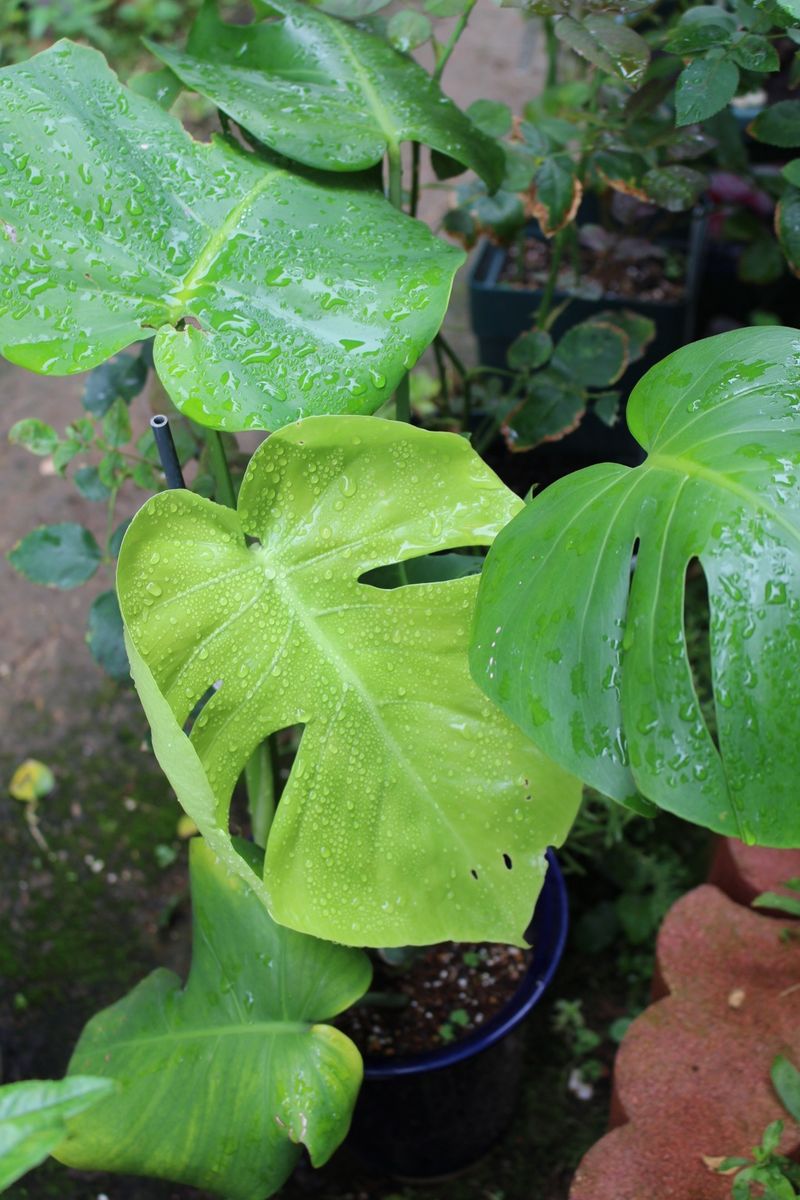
(500, 312)
(430, 1115)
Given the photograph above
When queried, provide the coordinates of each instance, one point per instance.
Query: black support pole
(166, 451)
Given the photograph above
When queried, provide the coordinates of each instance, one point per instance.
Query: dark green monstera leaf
(221, 1081)
(415, 812)
(269, 296)
(593, 663)
(324, 92)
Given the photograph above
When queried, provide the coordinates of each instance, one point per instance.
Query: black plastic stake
(166, 451)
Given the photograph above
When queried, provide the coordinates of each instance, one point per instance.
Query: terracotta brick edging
(691, 1079)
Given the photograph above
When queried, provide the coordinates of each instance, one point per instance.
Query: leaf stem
(217, 460)
(450, 45)
(395, 175)
(546, 303)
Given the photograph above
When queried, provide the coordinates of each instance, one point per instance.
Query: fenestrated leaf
(608, 44)
(703, 88)
(555, 194)
(553, 406)
(778, 124)
(62, 556)
(220, 1081)
(406, 780)
(246, 271)
(325, 93)
(600, 678)
(787, 227)
(33, 1119)
(593, 354)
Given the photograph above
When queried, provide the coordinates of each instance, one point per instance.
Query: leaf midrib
(201, 1032)
(382, 114)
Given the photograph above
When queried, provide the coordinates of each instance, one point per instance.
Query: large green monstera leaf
(269, 296)
(593, 663)
(324, 92)
(33, 1118)
(415, 811)
(222, 1080)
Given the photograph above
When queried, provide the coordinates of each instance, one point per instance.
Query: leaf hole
(188, 322)
(427, 568)
(507, 861)
(696, 628)
(474, 873)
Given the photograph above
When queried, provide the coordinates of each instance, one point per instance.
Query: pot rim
(548, 934)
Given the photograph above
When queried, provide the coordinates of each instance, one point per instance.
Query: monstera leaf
(415, 811)
(593, 664)
(220, 1082)
(33, 1118)
(269, 295)
(325, 93)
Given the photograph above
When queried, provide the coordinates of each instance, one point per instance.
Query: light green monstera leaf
(593, 663)
(325, 93)
(222, 1080)
(269, 296)
(415, 811)
(33, 1117)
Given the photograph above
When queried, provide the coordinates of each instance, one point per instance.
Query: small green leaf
(117, 424)
(594, 354)
(105, 636)
(754, 53)
(778, 124)
(31, 781)
(65, 452)
(608, 44)
(606, 407)
(552, 408)
(674, 188)
(111, 469)
(122, 377)
(700, 28)
(787, 227)
(408, 29)
(33, 1117)
(791, 172)
(254, 996)
(491, 117)
(530, 350)
(786, 1081)
(90, 485)
(703, 88)
(622, 169)
(555, 194)
(36, 436)
(163, 86)
(459, 1016)
(62, 556)
(777, 900)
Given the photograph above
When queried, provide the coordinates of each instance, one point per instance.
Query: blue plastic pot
(435, 1113)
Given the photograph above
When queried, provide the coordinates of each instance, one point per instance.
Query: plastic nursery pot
(500, 312)
(429, 1115)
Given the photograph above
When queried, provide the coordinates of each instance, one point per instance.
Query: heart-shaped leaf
(220, 1081)
(415, 811)
(594, 666)
(33, 1118)
(324, 92)
(270, 296)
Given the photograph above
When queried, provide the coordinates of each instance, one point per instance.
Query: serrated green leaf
(553, 406)
(105, 636)
(754, 53)
(325, 93)
(607, 44)
(555, 194)
(254, 996)
(530, 350)
(674, 188)
(62, 556)
(33, 1118)
(594, 666)
(408, 29)
(786, 1081)
(700, 28)
(778, 124)
(703, 88)
(88, 482)
(122, 378)
(244, 270)
(35, 436)
(393, 725)
(594, 354)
